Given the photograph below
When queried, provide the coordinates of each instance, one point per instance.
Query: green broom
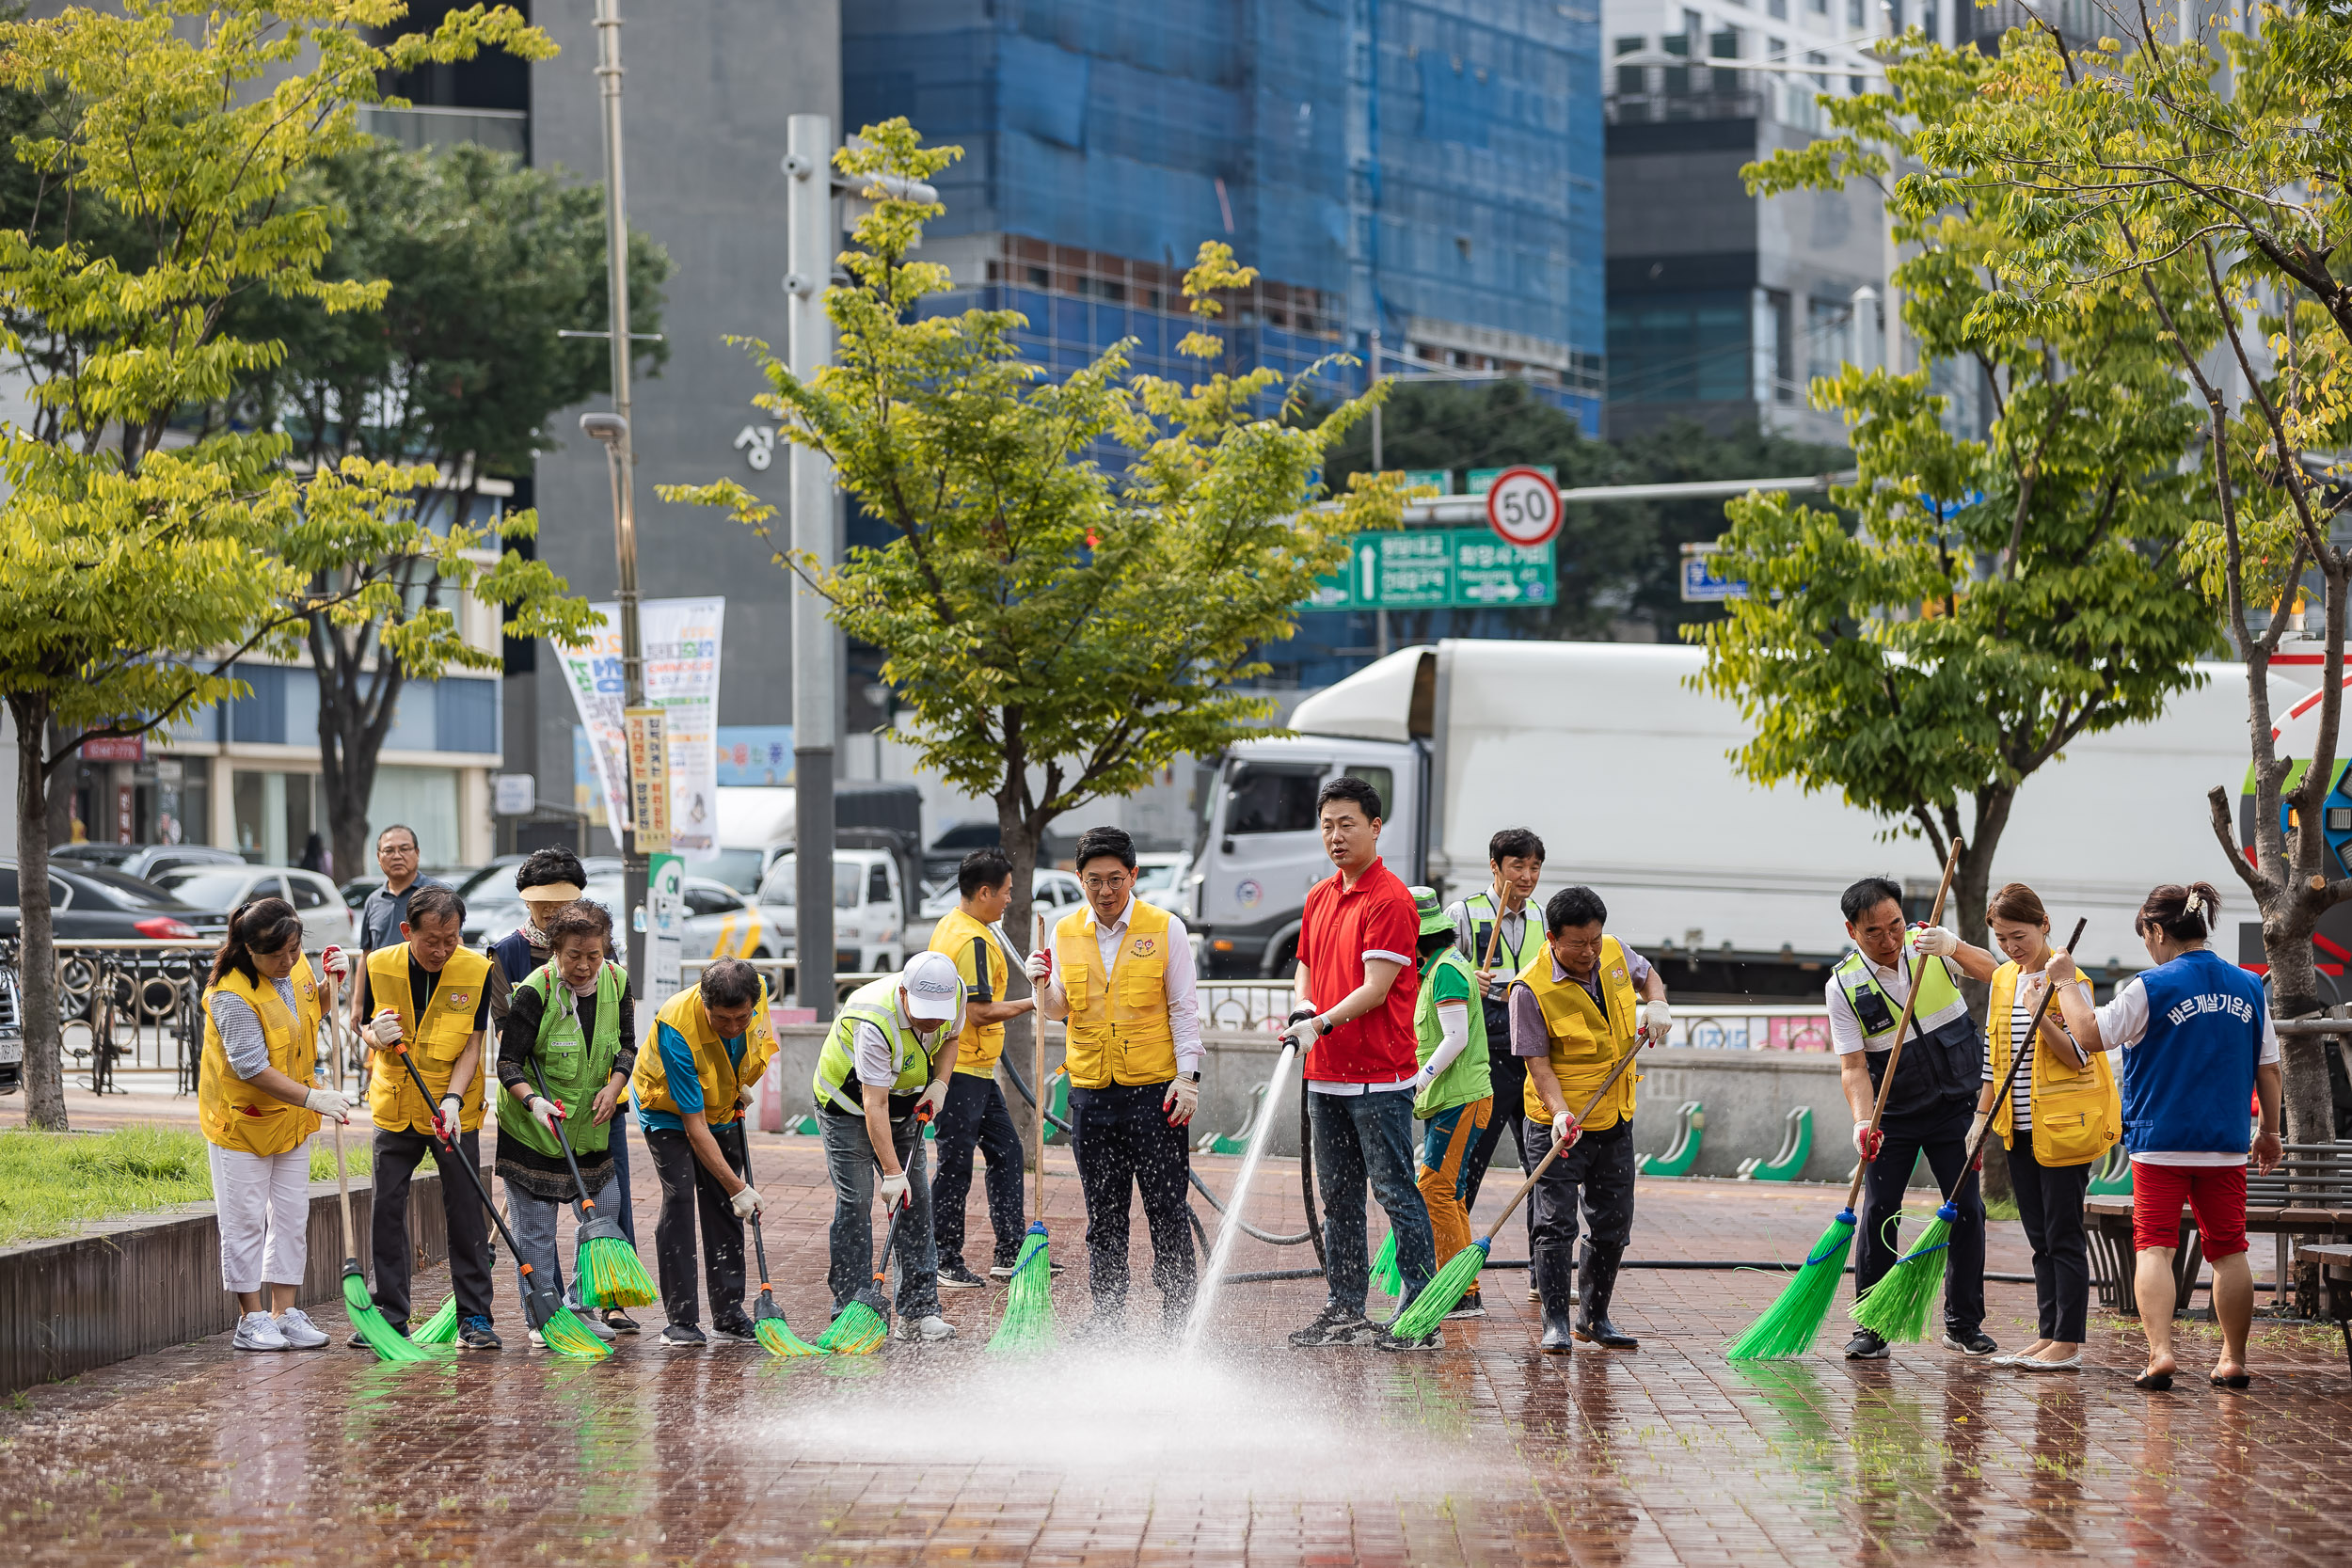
(561, 1332)
(441, 1328)
(864, 1324)
(1027, 1326)
(768, 1324)
(1789, 1326)
(1385, 1272)
(1461, 1271)
(607, 1267)
(387, 1342)
(1897, 1307)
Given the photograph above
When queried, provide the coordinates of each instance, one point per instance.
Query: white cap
(933, 986)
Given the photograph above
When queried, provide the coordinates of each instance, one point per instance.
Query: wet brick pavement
(1483, 1453)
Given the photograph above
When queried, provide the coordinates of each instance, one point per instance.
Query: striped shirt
(2021, 1019)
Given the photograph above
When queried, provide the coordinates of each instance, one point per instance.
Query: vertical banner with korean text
(682, 639)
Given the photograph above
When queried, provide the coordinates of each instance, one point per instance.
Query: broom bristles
(441, 1328)
(1897, 1307)
(777, 1335)
(1385, 1272)
(1789, 1326)
(1443, 1293)
(387, 1342)
(566, 1334)
(1027, 1327)
(612, 1274)
(858, 1331)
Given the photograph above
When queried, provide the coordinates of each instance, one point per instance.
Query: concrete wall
(129, 1285)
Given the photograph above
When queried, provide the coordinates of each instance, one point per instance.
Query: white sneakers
(289, 1330)
(930, 1330)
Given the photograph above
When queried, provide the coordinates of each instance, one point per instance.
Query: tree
(2001, 596)
(1617, 561)
(1059, 633)
(135, 570)
(460, 367)
(2181, 149)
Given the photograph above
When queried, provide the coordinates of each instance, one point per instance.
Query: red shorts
(2214, 1194)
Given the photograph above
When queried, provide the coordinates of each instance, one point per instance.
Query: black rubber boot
(1597, 1283)
(1548, 1268)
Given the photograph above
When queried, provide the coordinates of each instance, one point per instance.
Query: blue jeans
(850, 1161)
(1362, 1139)
(534, 1218)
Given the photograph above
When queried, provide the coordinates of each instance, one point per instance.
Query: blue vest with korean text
(2187, 1082)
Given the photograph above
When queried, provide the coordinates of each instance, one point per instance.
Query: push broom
(609, 1271)
(1896, 1308)
(387, 1342)
(864, 1323)
(1789, 1326)
(562, 1331)
(768, 1324)
(1461, 1271)
(1027, 1327)
(1385, 1272)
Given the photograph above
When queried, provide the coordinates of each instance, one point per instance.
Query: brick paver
(1483, 1453)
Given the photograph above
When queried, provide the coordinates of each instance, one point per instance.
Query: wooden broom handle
(1037, 1070)
(2016, 1060)
(1902, 1025)
(343, 1177)
(1557, 1144)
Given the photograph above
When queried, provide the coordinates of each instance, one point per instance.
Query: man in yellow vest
(889, 1055)
(1578, 1007)
(1120, 972)
(1931, 1105)
(429, 994)
(712, 1041)
(974, 1115)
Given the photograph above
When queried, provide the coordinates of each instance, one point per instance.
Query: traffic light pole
(809, 244)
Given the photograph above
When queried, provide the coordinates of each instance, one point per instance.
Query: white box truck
(1610, 752)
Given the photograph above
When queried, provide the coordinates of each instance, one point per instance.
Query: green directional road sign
(1479, 480)
(1438, 569)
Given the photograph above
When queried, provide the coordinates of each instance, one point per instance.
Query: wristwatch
(1193, 1076)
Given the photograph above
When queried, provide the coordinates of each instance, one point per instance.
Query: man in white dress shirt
(1120, 972)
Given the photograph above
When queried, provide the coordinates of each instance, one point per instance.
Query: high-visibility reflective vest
(1119, 1030)
(1942, 1057)
(724, 1079)
(911, 1056)
(233, 1113)
(569, 1065)
(435, 1041)
(1585, 1042)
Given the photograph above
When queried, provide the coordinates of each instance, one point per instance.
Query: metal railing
(129, 1007)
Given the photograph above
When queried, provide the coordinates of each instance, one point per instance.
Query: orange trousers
(1446, 1138)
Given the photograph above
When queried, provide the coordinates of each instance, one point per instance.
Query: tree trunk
(37, 950)
(352, 724)
(2307, 1109)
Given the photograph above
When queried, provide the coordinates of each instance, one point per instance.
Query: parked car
(11, 1034)
(869, 927)
(494, 908)
(325, 918)
(148, 861)
(1160, 880)
(946, 852)
(1052, 894)
(355, 891)
(95, 903)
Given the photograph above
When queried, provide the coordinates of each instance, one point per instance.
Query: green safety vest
(572, 1068)
(876, 1003)
(1508, 960)
(1469, 1077)
(1943, 1059)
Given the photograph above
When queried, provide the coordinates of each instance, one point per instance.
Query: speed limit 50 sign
(1523, 506)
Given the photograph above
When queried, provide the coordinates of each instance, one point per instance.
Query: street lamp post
(810, 237)
(612, 431)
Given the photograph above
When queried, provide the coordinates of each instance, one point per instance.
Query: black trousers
(688, 1190)
(1596, 1176)
(2050, 1205)
(1942, 1134)
(974, 1116)
(1509, 1073)
(1123, 1144)
(396, 1157)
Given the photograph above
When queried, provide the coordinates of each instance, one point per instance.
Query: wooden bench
(2333, 1265)
(2309, 1194)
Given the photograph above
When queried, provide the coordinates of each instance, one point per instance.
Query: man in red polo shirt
(1358, 981)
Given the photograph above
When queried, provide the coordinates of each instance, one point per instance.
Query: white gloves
(1182, 1100)
(336, 963)
(1305, 1031)
(1041, 967)
(386, 1026)
(1938, 942)
(1867, 1140)
(1564, 1132)
(1658, 1018)
(1975, 1127)
(893, 1189)
(547, 1112)
(926, 1104)
(745, 1203)
(1426, 1076)
(330, 1104)
(452, 1107)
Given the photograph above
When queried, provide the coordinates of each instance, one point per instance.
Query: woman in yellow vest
(428, 997)
(2061, 1113)
(258, 1105)
(1576, 1009)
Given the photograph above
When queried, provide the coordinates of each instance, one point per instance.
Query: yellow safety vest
(721, 1079)
(2077, 1112)
(233, 1113)
(435, 1041)
(961, 937)
(1585, 1043)
(1119, 1030)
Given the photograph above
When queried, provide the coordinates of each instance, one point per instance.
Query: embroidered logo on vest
(1144, 946)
